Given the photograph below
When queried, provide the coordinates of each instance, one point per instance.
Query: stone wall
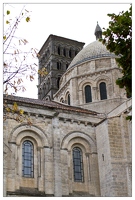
(114, 157)
(54, 138)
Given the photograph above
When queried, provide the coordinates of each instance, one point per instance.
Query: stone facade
(56, 129)
(80, 143)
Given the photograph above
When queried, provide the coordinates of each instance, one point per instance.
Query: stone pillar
(40, 184)
(94, 182)
(94, 94)
(70, 164)
(88, 166)
(11, 167)
(56, 158)
(81, 100)
(48, 171)
(74, 89)
(65, 175)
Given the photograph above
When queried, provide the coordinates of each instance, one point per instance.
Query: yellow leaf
(4, 37)
(8, 12)
(8, 109)
(7, 22)
(21, 111)
(27, 19)
(15, 107)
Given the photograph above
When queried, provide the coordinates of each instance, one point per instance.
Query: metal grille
(27, 159)
(103, 92)
(88, 96)
(78, 165)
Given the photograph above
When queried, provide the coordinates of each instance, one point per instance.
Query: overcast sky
(74, 21)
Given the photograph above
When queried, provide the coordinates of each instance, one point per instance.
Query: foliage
(13, 112)
(19, 63)
(118, 39)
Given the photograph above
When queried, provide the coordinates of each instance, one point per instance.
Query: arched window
(68, 99)
(66, 65)
(64, 52)
(58, 65)
(70, 55)
(88, 96)
(78, 165)
(59, 50)
(27, 159)
(58, 82)
(103, 92)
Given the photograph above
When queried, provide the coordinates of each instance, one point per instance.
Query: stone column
(40, 185)
(12, 167)
(88, 166)
(56, 158)
(94, 94)
(70, 171)
(48, 171)
(65, 175)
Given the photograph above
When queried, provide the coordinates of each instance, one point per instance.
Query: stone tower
(55, 55)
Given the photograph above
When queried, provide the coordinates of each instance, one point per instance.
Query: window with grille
(27, 159)
(103, 92)
(78, 165)
(88, 96)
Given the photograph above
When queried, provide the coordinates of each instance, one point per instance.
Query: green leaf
(8, 12)
(27, 19)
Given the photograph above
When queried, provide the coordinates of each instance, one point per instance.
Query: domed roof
(91, 51)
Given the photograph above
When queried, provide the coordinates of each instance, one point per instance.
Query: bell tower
(55, 55)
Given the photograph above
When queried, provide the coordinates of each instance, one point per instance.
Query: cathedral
(79, 142)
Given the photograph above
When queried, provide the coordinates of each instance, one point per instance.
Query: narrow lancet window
(78, 165)
(103, 91)
(27, 159)
(88, 96)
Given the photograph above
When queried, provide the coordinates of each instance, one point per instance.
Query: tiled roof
(92, 51)
(49, 104)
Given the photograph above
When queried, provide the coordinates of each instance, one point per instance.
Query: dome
(91, 51)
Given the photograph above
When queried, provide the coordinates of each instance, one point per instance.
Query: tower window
(66, 66)
(103, 92)
(78, 165)
(70, 55)
(88, 96)
(64, 52)
(58, 65)
(58, 82)
(27, 159)
(59, 50)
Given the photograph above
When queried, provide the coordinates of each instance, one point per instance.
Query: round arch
(74, 135)
(85, 82)
(32, 131)
(102, 78)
